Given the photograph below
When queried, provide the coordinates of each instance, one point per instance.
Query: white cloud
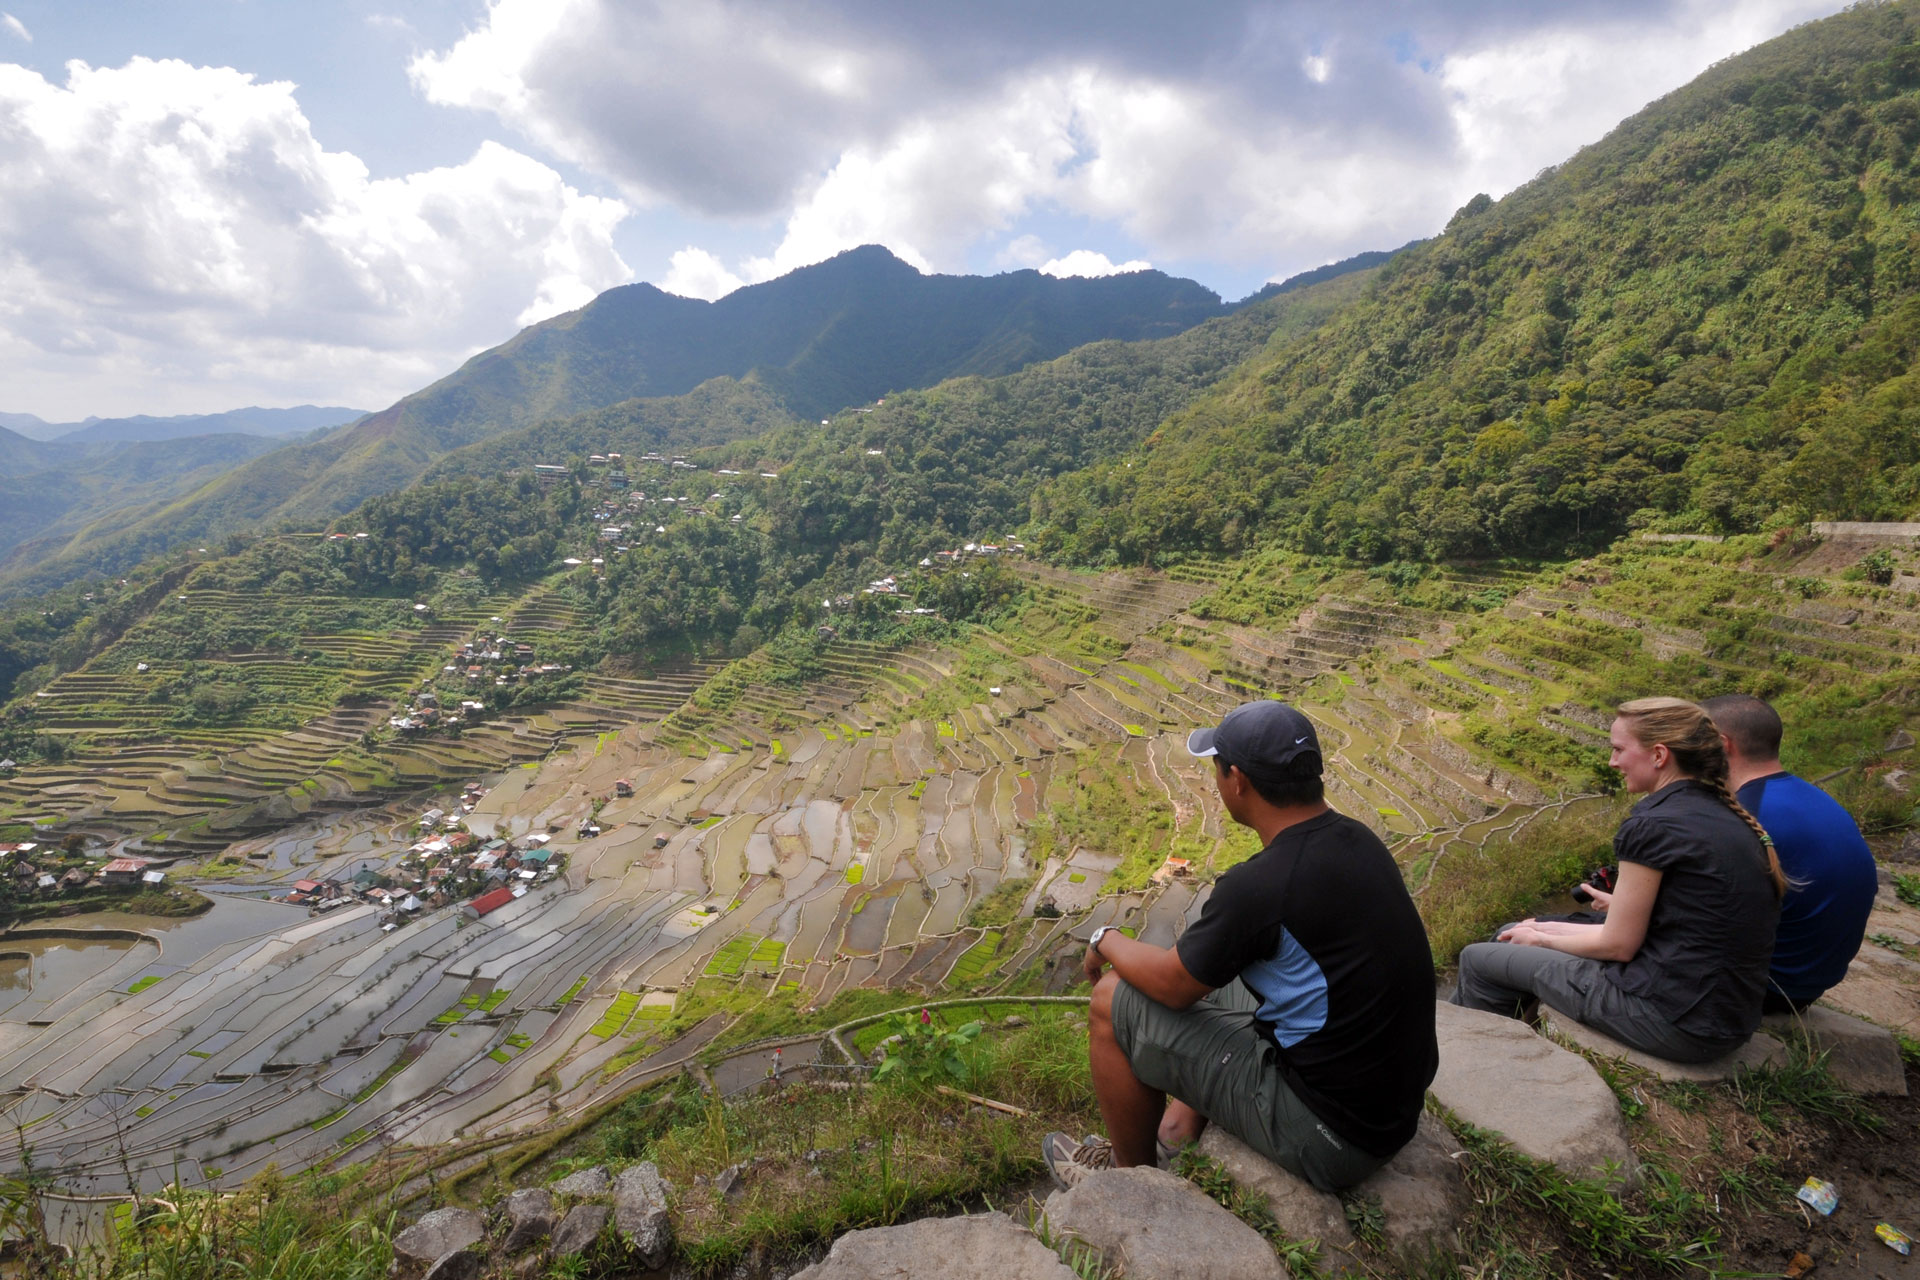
(1085, 262)
(169, 230)
(695, 273)
(16, 27)
(1255, 135)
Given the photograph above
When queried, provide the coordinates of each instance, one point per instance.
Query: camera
(1602, 880)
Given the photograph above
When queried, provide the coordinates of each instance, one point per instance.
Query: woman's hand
(1527, 933)
(1601, 898)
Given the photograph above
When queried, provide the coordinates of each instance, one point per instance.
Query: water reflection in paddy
(36, 970)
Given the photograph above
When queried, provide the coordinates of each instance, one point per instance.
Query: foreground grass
(816, 1161)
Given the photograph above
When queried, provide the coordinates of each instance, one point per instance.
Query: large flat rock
(1155, 1226)
(1761, 1051)
(1496, 1073)
(984, 1246)
(1421, 1193)
(1861, 1056)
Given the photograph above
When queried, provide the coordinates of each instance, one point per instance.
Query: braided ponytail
(1775, 872)
(1688, 732)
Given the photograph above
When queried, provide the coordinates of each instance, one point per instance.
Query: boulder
(529, 1215)
(1303, 1212)
(437, 1234)
(579, 1229)
(1156, 1226)
(1496, 1073)
(640, 1213)
(984, 1246)
(1421, 1192)
(585, 1183)
(1761, 1051)
(1861, 1056)
(458, 1265)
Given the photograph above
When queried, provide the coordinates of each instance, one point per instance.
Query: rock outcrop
(1421, 1194)
(1761, 1051)
(640, 1214)
(1155, 1226)
(985, 1246)
(1499, 1074)
(1860, 1056)
(437, 1234)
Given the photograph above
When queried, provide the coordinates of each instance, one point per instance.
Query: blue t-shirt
(1832, 880)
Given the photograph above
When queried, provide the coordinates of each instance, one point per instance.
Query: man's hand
(1093, 963)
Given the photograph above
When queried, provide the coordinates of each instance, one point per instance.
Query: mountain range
(838, 333)
(252, 420)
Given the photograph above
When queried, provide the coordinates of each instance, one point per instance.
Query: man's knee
(1101, 1010)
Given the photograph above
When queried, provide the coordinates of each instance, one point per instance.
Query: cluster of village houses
(35, 870)
(445, 864)
(484, 658)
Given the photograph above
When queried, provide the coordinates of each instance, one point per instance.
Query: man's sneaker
(1069, 1161)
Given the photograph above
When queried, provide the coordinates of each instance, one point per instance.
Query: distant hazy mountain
(839, 333)
(33, 428)
(249, 421)
(50, 490)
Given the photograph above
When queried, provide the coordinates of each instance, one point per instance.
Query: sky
(206, 204)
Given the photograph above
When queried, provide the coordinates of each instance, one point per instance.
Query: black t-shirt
(1709, 940)
(1320, 927)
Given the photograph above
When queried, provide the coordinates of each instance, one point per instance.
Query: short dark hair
(1299, 782)
(1750, 723)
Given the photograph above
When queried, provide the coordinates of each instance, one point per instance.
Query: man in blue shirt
(1831, 878)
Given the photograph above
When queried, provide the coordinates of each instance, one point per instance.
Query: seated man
(1297, 1011)
(1831, 877)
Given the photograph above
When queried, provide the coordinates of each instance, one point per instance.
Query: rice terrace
(730, 771)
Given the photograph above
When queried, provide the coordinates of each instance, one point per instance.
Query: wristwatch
(1093, 939)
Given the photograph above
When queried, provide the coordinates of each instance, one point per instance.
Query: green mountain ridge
(838, 333)
(1705, 322)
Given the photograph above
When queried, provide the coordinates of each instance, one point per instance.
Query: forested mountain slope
(838, 333)
(1706, 321)
(77, 486)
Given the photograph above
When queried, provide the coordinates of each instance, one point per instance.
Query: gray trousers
(1499, 977)
(1214, 1058)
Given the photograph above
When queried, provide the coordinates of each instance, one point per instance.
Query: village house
(123, 871)
(487, 903)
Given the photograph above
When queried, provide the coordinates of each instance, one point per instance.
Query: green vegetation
(142, 984)
(1703, 322)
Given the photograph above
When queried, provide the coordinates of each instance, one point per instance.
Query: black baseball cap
(1258, 736)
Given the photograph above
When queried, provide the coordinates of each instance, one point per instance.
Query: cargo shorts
(1214, 1058)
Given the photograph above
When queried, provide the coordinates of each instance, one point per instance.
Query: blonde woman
(1678, 967)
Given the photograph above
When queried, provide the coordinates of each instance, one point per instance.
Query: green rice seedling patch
(329, 1118)
(142, 984)
(976, 960)
(946, 729)
(1076, 878)
(733, 958)
(468, 1003)
(714, 821)
(856, 873)
(196, 1053)
(143, 1112)
(1134, 731)
(572, 991)
(600, 743)
(616, 1015)
(494, 999)
(918, 789)
(1387, 813)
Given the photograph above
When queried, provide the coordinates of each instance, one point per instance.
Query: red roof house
(492, 900)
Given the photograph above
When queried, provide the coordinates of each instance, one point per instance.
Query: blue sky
(210, 204)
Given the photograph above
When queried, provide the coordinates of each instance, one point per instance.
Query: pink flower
(925, 1017)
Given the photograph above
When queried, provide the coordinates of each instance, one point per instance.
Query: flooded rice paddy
(845, 848)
